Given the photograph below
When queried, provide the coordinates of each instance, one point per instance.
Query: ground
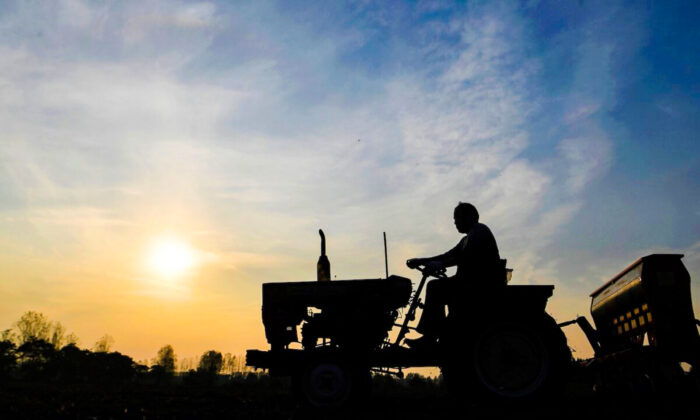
(262, 397)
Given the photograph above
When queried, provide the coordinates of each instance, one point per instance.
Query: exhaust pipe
(323, 267)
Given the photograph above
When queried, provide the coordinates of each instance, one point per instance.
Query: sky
(233, 131)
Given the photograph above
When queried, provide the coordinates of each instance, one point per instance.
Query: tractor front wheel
(328, 384)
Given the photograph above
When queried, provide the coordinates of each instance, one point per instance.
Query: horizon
(161, 160)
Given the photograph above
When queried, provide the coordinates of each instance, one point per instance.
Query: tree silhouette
(8, 357)
(104, 344)
(8, 335)
(211, 362)
(113, 367)
(187, 364)
(229, 365)
(36, 357)
(33, 325)
(166, 358)
(36, 326)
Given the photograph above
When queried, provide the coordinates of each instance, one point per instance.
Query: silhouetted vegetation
(104, 344)
(166, 359)
(211, 362)
(40, 380)
(38, 360)
(36, 326)
(38, 350)
(45, 374)
(207, 373)
(8, 358)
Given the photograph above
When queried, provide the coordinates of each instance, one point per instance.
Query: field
(258, 396)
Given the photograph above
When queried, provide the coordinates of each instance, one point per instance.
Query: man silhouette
(478, 266)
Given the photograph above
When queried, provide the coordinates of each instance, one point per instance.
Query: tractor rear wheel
(510, 361)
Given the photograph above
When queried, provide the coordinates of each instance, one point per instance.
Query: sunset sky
(223, 135)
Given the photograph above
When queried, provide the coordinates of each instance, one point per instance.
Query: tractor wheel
(510, 361)
(328, 384)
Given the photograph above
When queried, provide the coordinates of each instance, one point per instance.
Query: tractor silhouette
(498, 343)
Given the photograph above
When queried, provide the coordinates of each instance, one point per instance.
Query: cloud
(84, 217)
(389, 160)
(75, 13)
(586, 158)
(163, 17)
(243, 130)
(582, 112)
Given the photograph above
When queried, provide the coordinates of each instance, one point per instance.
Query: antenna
(386, 259)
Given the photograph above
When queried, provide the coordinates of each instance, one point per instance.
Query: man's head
(465, 217)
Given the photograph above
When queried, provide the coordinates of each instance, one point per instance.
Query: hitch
(587, 329)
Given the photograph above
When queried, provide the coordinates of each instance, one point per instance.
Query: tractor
(500, 343)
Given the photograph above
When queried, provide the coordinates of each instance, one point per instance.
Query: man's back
(476, 255)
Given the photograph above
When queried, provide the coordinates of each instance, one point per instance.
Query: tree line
(36, 348)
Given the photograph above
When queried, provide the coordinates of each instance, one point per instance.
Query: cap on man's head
(467, 212)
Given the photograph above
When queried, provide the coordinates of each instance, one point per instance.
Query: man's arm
(448, 259)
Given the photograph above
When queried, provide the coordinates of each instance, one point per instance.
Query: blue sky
(243, 127)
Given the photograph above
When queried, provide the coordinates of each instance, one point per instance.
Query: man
(478, 263)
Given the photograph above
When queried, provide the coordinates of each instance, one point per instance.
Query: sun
(170, 257)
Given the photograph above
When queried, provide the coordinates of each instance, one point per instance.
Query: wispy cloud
(454, 133)
(587, 158)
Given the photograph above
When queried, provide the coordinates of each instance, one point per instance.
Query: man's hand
(415, 262)
(433, 267)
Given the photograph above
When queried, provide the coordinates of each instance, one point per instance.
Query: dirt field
(261, 397)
